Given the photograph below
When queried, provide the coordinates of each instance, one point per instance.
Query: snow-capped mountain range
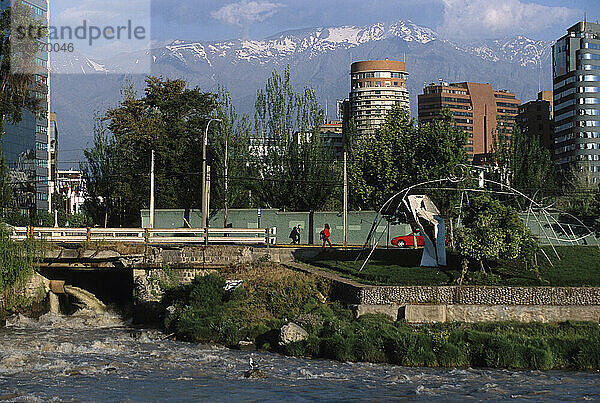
(313, 43)
(318, 57)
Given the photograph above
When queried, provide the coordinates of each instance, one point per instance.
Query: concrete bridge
(120, 273)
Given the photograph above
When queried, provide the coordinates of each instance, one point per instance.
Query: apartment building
(477, 108)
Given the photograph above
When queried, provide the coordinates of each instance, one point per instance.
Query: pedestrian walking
(325, 234)
(295, 236)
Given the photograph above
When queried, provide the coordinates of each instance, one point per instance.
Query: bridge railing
(265, 236)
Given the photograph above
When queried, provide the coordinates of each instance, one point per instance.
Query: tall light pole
(204, 190)
(151, 190)
(226, 171)
(345, 217)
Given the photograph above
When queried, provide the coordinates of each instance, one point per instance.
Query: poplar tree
(294, 166)
(531, 167)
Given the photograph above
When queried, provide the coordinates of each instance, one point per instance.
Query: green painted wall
(359, 225)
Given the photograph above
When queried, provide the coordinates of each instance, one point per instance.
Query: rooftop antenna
(326, 103)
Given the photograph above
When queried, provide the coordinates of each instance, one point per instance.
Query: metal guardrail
(265, 236)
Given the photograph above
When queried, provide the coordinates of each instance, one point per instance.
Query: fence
(266, 236)
(550, 229)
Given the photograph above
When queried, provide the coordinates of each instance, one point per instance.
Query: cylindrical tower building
(377, 85)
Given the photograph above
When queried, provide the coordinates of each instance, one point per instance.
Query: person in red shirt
(325, 234)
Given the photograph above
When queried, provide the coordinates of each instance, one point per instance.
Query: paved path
(303, 267)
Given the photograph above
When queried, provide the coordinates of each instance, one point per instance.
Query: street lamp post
(204, 190)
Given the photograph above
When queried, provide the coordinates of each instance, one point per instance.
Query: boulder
(291, 333)
(246, 346)
(254, 373)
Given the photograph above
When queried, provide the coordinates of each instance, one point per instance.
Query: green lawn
(578, 266)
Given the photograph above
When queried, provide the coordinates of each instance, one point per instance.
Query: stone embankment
(429, 304)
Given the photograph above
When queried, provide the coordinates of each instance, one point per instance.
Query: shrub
(450, 355)
(207, 292)
(338, 347)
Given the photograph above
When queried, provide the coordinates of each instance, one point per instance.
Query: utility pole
(207, 207)
(152, 190)
(204, 190)
(226, 184)
(345, 219)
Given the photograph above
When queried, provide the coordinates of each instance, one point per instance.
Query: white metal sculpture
(535, 209)
(432, 228)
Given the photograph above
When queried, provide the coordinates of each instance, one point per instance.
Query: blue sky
(459, 19)
(257, 19)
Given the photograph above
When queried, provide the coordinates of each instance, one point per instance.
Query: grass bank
(17, 263)
(271, 296)
(577, 266)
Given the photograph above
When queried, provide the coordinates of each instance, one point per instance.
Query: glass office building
(576, 78)
(26, 145)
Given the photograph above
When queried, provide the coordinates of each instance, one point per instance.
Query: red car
(408, 240)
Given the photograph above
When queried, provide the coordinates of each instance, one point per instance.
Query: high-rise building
(576, 74)
(332, 135)
(376, 86)
(26, 145)
(535, 119)
(477, 108)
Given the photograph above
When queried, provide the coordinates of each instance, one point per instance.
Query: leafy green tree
(350, 136)
(579, 196)
(101, 172)
(169, 119)
(233, 134)
(522, 161)
(294, 164)
(492, 231)
(531, 167)
(400, 155)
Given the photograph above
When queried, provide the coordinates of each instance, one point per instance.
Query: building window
(41, 146)
(589, 77)
(42, 196)
(41, 79)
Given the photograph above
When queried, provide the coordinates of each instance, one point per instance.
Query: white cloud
(245, 12)
(469, 19)
(107, 16)
(65, 12)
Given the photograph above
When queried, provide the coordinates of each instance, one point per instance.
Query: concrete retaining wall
(359, 223)
(492, 313)
(477, 304)
(479, 295)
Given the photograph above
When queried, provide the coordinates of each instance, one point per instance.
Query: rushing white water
(86, 297)
(97, 357)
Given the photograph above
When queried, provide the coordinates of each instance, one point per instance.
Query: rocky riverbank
(27, 297)
(279, 310)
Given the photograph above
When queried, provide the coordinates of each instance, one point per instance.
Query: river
(97, 357)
